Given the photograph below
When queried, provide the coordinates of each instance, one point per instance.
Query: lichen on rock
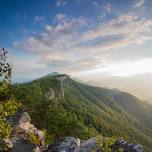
(25, 137)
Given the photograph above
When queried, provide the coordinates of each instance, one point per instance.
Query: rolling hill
(65, 107)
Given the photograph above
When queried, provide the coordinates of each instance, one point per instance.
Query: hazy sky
(84, 38)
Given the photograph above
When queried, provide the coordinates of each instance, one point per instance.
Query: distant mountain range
(139, 85)
(66, 107)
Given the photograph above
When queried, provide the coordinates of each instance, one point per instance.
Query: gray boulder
(25, 137)
(88, 145)
(127, 147)
(22, 146)
(69, 144)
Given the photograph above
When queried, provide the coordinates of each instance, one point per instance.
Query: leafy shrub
(105, 144)
(34, 139)
(48, 137)
(8, 105)
(7, 109)
(5, 68)
(5, 129)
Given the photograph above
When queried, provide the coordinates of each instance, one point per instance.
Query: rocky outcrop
(88, 145)
(50, 95)
(127, 147)
(70, 144)
(24, 146)
(57, 93)
(25, 137)
(62, 78)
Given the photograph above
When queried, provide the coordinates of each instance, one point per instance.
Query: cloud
(139, 3)
(48, 29)
(108, 7)
(70, 46)
(95, 3)
(60, 16)
(76, 65)
(128, 27)
(23, 67)
(130, 68)
(61, 3)
(39, 18)
(56, 45)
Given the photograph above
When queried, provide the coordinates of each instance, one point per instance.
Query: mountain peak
(56, 74)
(67, 107)
(52, 74)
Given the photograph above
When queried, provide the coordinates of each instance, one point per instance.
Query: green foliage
(5, 129)
(48, 137)
(5, 75)
(8, 105)
(105, 144)
(4, 147)
(33, 138)
(85, 111)
(5, 68)
(7, 109)
(5, 90)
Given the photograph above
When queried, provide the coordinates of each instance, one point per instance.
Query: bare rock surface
(23, 133)
(88, 145)
(70, 144)
(22, 140)
(22, 146)
(127, 147)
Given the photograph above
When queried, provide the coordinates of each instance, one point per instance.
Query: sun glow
(127, 68)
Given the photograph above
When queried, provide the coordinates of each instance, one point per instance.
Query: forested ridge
(85, 111)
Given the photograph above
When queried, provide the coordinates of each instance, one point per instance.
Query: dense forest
(61, 106)
(70, 108)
